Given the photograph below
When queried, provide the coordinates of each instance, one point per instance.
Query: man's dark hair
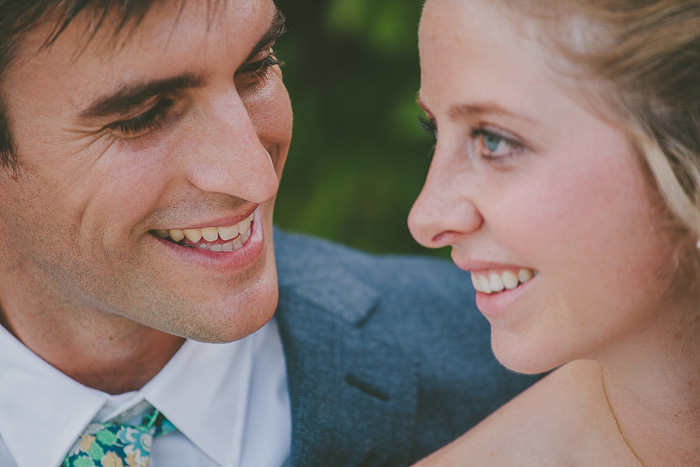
(20, 17)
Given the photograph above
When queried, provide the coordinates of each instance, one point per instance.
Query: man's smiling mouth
(224, 239)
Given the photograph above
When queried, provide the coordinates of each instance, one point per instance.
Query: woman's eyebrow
(421, 104)
(478, 108)
(456, 111)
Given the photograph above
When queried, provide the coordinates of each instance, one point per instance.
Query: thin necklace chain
(617, 423)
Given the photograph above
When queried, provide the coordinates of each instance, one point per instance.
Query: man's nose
(228, 156)
(444, 211)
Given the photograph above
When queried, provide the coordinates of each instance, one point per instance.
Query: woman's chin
(520, 358)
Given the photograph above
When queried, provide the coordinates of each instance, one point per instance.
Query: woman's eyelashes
(253, 73)
(429, 127)
(488, 144)
(483, 142)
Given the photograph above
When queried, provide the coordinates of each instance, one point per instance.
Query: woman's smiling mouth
(498, 281)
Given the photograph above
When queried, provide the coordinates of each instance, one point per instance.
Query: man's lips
(227, 238)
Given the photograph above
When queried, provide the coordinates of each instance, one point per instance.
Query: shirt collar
(42, 411)
(203, 391)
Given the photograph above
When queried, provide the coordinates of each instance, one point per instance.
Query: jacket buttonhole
(367, 388)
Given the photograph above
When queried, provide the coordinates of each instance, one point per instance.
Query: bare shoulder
(542, 426)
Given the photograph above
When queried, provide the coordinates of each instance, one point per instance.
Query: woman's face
(536, 195)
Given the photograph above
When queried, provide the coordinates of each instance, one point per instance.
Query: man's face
(127, 144)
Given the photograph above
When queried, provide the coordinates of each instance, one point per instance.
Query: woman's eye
(149, 120)
(493, 143)
(429, 127)
(257, 71)
(490, 145)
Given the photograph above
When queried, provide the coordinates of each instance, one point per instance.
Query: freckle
(111, 338)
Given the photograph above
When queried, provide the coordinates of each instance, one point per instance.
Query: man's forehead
(130, 94)
(105, 31)
(172, 42)
(118, 17)
(42, 24)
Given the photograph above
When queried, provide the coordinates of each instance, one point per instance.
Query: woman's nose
(444, 210)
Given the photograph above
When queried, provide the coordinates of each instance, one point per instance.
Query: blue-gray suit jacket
(388, 358)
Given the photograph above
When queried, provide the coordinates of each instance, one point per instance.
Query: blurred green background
(357, 160)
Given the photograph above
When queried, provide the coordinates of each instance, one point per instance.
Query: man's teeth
(497, 282)
(235, 235)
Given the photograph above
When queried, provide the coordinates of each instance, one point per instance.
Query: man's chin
(245, 313)
(244, 307)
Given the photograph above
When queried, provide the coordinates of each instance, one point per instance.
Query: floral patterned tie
(116, 445)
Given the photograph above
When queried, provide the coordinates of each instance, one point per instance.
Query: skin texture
(564, 195)
(86, 285)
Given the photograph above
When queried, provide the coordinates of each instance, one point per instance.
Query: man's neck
(129, 371)
(112, 362)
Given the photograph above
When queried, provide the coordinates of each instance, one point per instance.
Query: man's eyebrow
(276, 29)
(132, 95)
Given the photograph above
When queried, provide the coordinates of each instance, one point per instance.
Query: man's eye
(256, 72)
(147, 121)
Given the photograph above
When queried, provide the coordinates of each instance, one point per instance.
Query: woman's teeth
(234, 236)
(497, 282)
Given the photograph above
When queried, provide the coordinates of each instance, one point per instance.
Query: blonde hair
(646, 54)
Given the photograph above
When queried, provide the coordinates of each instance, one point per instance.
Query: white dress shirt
(229, 403)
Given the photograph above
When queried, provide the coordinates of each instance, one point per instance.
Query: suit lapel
(353, 394)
